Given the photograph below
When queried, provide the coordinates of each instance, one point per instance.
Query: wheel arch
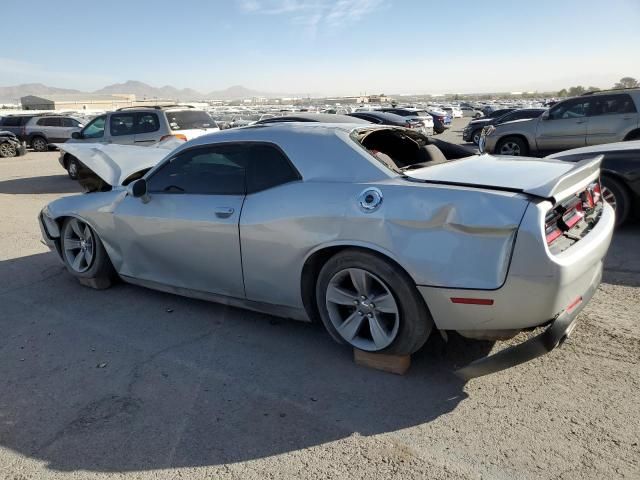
(521, 136)
(633, 135)
(316, 259)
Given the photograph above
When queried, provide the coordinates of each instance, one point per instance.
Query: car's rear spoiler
(584, 172)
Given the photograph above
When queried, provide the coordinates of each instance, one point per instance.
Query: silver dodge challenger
(380, 233)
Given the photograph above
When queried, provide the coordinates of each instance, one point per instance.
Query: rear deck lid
(544, 178)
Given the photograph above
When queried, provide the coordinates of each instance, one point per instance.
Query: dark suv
(15, 124)
(472, 131)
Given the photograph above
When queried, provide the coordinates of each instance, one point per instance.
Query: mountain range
(141, 90)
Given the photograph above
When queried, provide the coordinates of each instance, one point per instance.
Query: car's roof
(319, 150)
(383, 115)
(314, 117)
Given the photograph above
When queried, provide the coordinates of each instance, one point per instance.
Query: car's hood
(544, 178)
(115, 163)
(481, 121)
(518, 121)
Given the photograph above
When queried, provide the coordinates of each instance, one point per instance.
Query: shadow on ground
(44, 184)
(132, 379)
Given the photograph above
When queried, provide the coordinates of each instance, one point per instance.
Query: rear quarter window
(189, 119)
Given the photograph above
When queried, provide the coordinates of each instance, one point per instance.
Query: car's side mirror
(545, 116)
(76, 135)
(138, 189)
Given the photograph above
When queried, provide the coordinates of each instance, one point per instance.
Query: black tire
(617, 195)
(520, 147)
(414, 320)
(475, 136)
(73, 167)
(633, 136)
(99, 270)
(39, 144)
(7, 150)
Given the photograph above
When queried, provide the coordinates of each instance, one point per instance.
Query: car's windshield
(188, 119)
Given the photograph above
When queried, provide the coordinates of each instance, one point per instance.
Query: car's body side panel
(539, 286)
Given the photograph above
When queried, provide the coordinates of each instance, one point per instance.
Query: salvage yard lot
(150, 385)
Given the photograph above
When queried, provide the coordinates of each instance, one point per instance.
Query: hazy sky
(323, 46)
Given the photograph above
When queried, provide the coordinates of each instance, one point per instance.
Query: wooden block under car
(398, 364)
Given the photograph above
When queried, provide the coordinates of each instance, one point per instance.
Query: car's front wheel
(84, 254)
(7, 150)
(616, 195)
(512, 146)
(371, 304)
(475, 136)
(72, 168)
(39, 144)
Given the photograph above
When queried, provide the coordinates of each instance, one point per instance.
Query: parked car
(423, 115)
(386, 118)
(16, 125)
(140, 126)
(600, 117)
(44, 130)
(453, 112)
(312, 117)
(473, 130)
(370, 229)
(10, 145)
(620, 177)
(471, 112)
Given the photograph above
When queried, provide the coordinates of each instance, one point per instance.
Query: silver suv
(43, 130)
(591, 119)
(141, 126)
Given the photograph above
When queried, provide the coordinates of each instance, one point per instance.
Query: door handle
(224, 212)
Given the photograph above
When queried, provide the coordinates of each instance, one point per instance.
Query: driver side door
(186, 232)
(565, 127)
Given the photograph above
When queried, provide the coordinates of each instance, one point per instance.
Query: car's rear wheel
(512, 146)
(72, 168)
(83, 253)
(7, 150)
(371, 304)
(475, 136)
(39, 144)
(616, 195)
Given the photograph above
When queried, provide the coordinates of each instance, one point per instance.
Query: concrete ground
(135, 384)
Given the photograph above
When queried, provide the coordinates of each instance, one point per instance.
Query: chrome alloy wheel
(609, 197)
(362, 309)
(510, 148)
(7, 150)
(79, 246)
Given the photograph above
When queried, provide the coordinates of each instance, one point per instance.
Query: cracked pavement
(135, 384)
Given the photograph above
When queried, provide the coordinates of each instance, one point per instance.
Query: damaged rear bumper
(553, 336)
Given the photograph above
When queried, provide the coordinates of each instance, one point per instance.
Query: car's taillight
(570, 212)
(179, 136)
(551, 229)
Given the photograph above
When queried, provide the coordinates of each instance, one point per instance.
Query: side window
(570, 109)
(70, 122)
(43, 122)
(95, 128)
(122, 124)
(147, 123)
(216, 170)
(613, 105)
(267, 167)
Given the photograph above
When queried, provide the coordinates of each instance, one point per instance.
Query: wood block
(97, 283)
(398, 364)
